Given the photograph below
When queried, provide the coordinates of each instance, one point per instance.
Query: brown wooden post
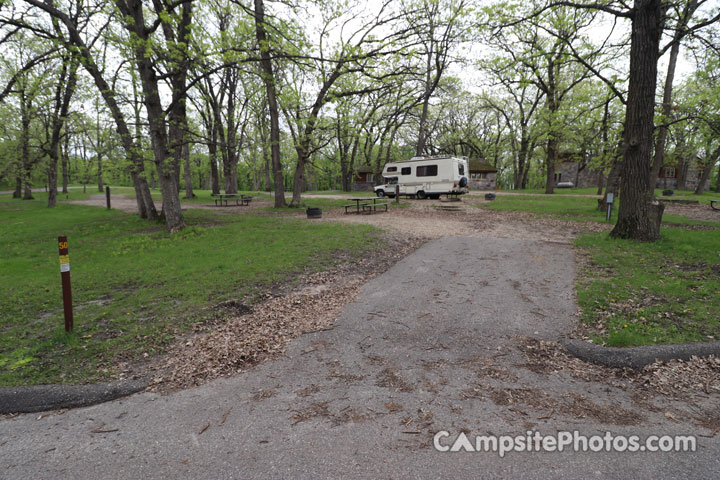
(65, 279)
(107, 196)
(397, 193)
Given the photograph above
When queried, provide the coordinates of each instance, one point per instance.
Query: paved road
(433, 344)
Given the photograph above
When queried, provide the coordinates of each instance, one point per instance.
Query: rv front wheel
(380, 193)
(421, 195)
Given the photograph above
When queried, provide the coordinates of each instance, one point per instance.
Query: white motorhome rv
(425, 177)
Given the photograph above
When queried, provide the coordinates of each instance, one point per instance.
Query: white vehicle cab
(425, 177)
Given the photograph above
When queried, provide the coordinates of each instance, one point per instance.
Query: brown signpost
(107, 196)
(65, 278)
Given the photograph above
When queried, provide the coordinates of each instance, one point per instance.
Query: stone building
(669, 175)
(573, 168)
(363, 179)
(483, 176)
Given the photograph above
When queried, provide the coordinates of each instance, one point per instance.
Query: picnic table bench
(372, 207)
(367, 204)
(222, 199)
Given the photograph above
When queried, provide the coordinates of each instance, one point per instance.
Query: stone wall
(363, 186)
(691, 181)
(487, 183)
(568, 172)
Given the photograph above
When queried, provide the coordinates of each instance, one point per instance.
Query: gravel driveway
(438, 342)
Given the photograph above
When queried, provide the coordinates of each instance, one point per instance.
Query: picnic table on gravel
(222, 199)
(365, 204)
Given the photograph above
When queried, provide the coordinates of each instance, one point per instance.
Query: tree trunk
(52, 183)
(549, 174)
(212, 150)
(108, 95)
(661, 139)
(266, 160)
(552, 143)
(304, 140)
(143, 197)
(420, 149)
(63, 94)
(521, 160)
(257, 168)
(710, 163)
(64, 162)
(230, 159)
(188, 175)
(612, 184)
(299, 178)
(26, 167)
(638, 217)
(99, 172)
(550, 160)
(230, 173)
(422, 133)
(351, 164)
(605, 148)
(342, 152)
(659, 160)
(269, 80)
(18, 184)
(683, 164)
(166, 145)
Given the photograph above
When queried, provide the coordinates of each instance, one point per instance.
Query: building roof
(365, 169)
(478, 165)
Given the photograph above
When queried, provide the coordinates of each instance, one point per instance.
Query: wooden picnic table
(240, 199)
(365, 202)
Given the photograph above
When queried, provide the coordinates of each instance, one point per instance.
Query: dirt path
(426, 219)
(128, 204)
(457, 336)
(700, 211)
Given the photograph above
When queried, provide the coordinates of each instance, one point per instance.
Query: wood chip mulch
(677, 378)
(246, 337)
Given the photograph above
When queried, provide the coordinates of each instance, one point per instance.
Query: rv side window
(461, 169)
(405, 171)
(427, 171)
(392, 169)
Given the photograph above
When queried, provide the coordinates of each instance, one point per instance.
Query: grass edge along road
(640, 293)
(135, 286)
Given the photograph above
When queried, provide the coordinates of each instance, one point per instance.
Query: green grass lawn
(338, 192)
(559, 191)
(201, 196)
(134, 285)
(570, 208)
(679, 194)
(644, 293)
(704, 197)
